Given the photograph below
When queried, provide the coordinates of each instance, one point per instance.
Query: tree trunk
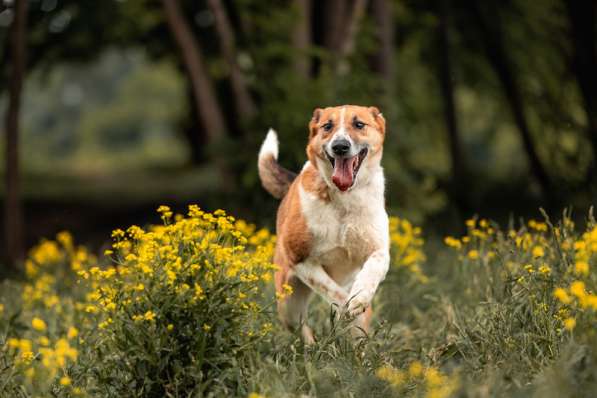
(206, 100)
(13, 213)
(347, 38)
(459, 168)
(498, 59)
(345, 34)
(335, 18)
(301, 38)
(582, 17)
(193, 131)
(342, 23)
(242, 98)
(384, 59)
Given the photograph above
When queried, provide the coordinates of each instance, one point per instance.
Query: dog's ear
(314, 120)
(379, 119)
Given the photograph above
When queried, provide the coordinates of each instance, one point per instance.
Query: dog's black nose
(340, 147)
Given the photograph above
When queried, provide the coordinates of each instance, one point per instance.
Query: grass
(496, 312)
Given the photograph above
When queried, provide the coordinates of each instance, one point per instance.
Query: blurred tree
(347, 35)
(341, 25)
(384, 58)
(301, 38)
(206, 100)
(13, 213)
(242, 97)
(459, 183)
(498, 58)
(335, 12)
(582, 15)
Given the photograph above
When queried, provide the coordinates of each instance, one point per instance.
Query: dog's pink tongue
(343, 173)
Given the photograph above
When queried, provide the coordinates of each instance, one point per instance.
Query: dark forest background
(113, 107)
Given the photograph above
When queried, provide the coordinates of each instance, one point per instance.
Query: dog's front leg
(367, 280)
(314, 276)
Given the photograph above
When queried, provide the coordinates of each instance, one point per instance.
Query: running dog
(332, 226)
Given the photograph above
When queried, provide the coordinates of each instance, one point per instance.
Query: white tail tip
(270, 144)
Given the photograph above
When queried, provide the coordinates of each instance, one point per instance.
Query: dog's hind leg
(292, 308)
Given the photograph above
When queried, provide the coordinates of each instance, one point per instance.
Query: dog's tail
(274, 178)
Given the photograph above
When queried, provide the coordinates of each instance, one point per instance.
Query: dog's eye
(328, 126)
(359, 125)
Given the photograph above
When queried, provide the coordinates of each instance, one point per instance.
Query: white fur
(350, 235)
(314, 276)
(341, 134)
(270, 145)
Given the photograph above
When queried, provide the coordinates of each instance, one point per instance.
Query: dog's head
(345, 143)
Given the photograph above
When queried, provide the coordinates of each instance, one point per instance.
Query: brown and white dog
(332, 227)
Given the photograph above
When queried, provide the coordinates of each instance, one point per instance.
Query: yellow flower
(91, 309)
(393, 376)
(118, 233)
(562, 295)
(452, 242)
(569, 323)
(27, 356)
(170, 327)
(545, 269)
(581, 268)
(72, 332)
(65, 381)
(577, 288)
(206, 327)
(13, 343)
(538, 252)
(38, 324)
(1, 308)
(415, 369)
(255, 395)
(149, 316)
(473, 254)
(434, 377)
(43, 341)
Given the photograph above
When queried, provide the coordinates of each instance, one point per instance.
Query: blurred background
(110, 108)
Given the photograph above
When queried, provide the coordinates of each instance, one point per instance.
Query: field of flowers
(186, 308)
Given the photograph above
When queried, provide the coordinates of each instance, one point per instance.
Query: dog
(332, 226)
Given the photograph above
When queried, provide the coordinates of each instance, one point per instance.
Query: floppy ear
(313, 123)
(379, 119)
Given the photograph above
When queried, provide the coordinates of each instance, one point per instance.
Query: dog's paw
(359, 301)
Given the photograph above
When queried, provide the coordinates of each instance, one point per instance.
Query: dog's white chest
(345, 230)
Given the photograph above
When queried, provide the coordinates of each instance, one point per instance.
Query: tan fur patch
(294, 239)
(313, 183)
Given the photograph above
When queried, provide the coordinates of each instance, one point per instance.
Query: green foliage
(507, 312)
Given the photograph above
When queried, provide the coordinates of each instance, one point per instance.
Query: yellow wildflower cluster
(45, 349)
(476, 245)
(196, 280)
(538, 256)
(407, 247)
(53, 358)
(189, 257)
(435, 383)
(575, 292)
(196, 277)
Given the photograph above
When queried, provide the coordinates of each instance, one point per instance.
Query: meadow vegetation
(187, 308)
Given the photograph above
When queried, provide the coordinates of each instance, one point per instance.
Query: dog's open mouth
(346, 169)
